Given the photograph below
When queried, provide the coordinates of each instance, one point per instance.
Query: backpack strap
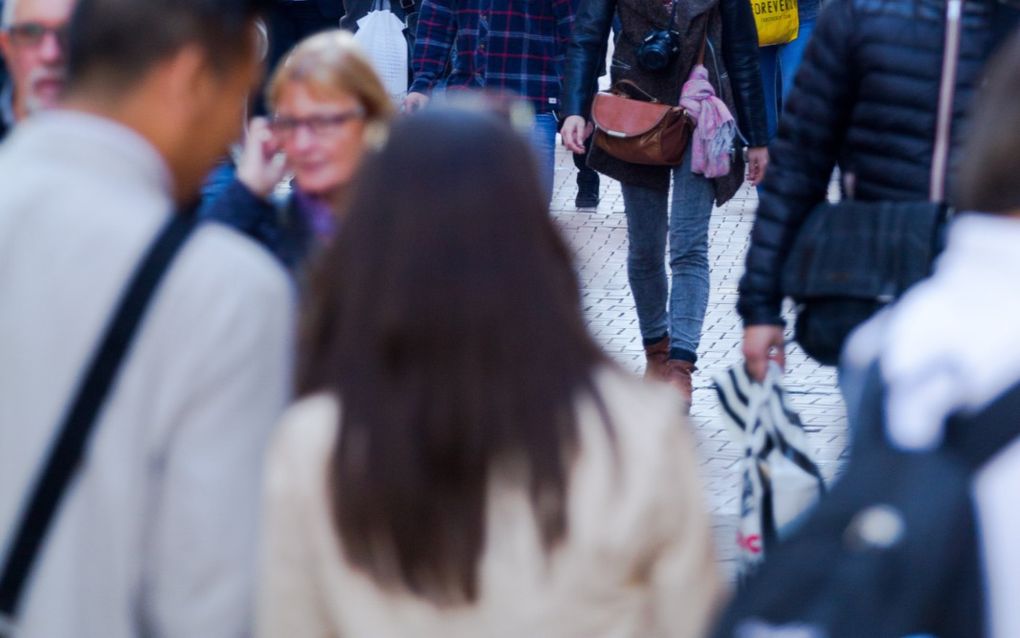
(976, 438)
(68, 447)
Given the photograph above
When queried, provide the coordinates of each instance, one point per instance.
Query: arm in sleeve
(200, 550)
(740, 54)
(245, 212)
(686, 587)
(586, 52)
(563, 10)
(811, 133)
(433, 39)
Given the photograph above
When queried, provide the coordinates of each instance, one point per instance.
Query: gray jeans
(676, 309)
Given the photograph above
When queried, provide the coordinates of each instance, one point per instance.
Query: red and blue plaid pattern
(503, 45)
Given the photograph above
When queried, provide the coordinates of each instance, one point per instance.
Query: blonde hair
(329, 64)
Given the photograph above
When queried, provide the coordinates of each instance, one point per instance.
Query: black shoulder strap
(68, 448)
(978, 437)
(975, 438)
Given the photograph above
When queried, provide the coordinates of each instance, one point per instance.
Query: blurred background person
(291, 21)
(671, 311)
(780, 62)
(866, 96)
(465, 461)
(326, 101)
(33, 43)
(497, 46)
(951, 343)
(156, 534)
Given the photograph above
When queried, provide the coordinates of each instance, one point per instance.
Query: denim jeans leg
(790, 55)
(769, 63)
(543, 140)
(691, 210)
(647, 226)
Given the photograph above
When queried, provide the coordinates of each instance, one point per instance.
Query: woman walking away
(465, 461)
(657, 50)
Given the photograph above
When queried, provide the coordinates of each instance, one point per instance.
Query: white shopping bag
(779, 479)
(381, 36)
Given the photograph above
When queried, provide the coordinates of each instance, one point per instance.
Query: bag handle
(947, 89)
(68, 448)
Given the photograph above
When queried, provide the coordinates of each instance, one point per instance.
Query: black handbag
(851, 258)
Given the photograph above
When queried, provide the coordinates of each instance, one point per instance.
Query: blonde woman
(325, 99)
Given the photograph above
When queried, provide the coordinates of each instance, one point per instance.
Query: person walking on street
(155, 533)
(499, 47)
(870, 104)
(670, 315)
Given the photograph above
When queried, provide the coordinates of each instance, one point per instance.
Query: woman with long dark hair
(464, 460)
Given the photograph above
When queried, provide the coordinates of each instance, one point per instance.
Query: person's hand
(261, 165)
(414, 102)
(762, 344)
(574, 132)
(757, 164)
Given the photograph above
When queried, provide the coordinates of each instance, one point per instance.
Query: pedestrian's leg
(543, 140)
(693, 198)
(647, 227)
(790, 56)
(587, 181)
(767, 60)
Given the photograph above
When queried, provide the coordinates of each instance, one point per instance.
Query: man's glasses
(316, 124)
(32, 34)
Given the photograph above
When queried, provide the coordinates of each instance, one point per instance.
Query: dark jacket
(732, 61)
(866, 96)
(279, 227)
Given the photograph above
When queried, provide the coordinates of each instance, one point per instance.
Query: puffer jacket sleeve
(802, 159)
(740, 53)
(585, 53)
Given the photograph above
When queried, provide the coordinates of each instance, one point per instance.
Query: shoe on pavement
(657, 360)
(679, 376)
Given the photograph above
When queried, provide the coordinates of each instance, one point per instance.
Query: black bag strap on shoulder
(68, 448)
(976, 438)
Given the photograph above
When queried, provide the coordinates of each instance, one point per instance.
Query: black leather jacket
(731, 28)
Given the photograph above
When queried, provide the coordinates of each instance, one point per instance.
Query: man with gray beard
(32, 41)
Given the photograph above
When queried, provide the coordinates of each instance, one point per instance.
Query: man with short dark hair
(31, 41)
(155, 535)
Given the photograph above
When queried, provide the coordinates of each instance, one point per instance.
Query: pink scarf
(714, 129)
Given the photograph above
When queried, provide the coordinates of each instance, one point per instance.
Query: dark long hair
(447, 319)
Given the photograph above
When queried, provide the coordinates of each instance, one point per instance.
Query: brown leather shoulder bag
(632, 126)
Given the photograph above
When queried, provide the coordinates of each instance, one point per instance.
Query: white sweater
(953, 343)
(637, 561)
(157, 534)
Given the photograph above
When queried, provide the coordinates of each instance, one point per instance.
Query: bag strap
(947, 89)
(977, 438)
(67, 450)
(973, 438)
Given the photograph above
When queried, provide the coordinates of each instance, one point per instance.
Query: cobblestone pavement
(600, 239)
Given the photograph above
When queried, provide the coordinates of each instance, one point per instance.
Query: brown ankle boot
(657, 359)
(679, 376)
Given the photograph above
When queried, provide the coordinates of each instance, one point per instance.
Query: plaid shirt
(505, 45)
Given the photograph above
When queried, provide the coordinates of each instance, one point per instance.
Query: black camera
(658, 49)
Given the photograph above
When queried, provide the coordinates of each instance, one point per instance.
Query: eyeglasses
(32, 34)
(316, 124)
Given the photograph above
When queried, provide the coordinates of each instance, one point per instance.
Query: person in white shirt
(465, 461)
(156, 534)
(952, 344)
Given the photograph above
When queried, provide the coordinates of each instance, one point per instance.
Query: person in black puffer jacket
(866, 97)
(670, 316)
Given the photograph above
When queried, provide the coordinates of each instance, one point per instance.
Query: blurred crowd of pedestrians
(280, 355)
